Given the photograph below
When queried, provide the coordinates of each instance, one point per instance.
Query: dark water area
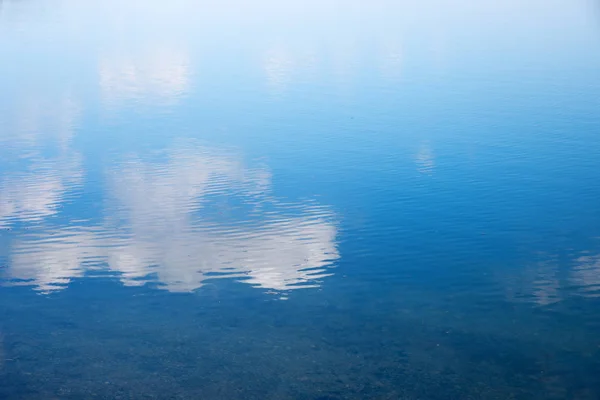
(305, 200)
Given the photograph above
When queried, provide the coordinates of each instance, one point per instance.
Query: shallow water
(313, 200)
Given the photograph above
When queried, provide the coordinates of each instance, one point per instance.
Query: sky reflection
(173, 217)
(555, 278)
(160, 74)
(39, 166)
(157, 230)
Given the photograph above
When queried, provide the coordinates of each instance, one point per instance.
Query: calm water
(313, 200)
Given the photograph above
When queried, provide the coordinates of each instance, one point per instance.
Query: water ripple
(168, 222)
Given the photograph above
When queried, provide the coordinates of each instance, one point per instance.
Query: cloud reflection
(586, 275)
(556, 278)
(425, 159)
(38, 176)
(173, 222)
(162, 73)
(38, 192)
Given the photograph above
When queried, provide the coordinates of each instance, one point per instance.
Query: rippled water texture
(299, 200)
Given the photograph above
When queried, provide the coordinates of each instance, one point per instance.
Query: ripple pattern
(161, 226)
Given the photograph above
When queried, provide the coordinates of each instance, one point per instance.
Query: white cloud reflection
(162, 73)
(425, 159)
(170, 222)
(586, 275)
(552, 280)
(38, 192)
(39, 168)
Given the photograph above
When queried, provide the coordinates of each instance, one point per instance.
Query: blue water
(299, 200)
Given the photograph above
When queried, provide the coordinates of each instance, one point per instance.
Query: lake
(316, 200)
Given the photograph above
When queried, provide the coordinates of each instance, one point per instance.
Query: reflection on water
(425, 159)
(38, 163)
(586, 275)
(279, 65)
(554, 279)
(38, 191)
(196, 213)
(156, 229)
(160, 74)
(164, 165)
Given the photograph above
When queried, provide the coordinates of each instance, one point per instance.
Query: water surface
(302, 200)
